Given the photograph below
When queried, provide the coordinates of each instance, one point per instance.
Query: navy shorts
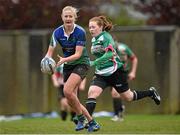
(80, 69)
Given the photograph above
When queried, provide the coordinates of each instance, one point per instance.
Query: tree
(161, 12)
(36, 14)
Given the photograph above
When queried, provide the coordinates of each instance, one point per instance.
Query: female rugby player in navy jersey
(72, 38)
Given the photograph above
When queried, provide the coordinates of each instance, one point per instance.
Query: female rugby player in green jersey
(109, 68)
(72, 39)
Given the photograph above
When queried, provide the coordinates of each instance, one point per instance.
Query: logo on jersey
(97, 49)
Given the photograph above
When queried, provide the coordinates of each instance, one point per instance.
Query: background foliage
(25, 14)
(161, 12)
(37, 14)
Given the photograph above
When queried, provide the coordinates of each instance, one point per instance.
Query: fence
(24, 89)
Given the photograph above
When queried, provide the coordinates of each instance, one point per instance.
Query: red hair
(102, 21)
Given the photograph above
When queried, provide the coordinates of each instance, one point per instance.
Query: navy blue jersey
(69, 43)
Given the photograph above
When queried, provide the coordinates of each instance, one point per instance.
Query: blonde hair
(72, 9)
(102, 21)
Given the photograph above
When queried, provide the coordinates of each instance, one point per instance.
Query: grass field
(133, 124)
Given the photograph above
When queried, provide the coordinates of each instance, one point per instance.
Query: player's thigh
(72, 83)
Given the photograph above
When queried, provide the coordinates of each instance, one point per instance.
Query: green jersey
(125, 53)
(100, 45)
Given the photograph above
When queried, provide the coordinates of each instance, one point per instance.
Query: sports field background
(25, 31)
(133, 124)
(24, 89)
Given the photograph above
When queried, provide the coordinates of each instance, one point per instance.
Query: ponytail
(107, 25)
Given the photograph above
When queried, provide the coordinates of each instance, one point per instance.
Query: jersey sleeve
(53, 40)
(81, 38)
(108, 44)
(129, 52)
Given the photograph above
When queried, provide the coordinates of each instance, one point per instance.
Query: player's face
(94, 29)
(68, 18)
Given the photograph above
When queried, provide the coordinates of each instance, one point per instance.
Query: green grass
(133, 124)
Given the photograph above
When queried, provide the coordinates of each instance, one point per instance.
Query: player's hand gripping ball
(48, 65)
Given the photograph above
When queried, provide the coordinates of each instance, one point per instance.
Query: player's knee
(94, 92)
(127, 96)
(68, 93)
(128, 99)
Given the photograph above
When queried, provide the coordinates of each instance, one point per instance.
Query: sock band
(135, 95)
(91, 100)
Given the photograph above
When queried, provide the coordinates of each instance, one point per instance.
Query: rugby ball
(48, 65)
